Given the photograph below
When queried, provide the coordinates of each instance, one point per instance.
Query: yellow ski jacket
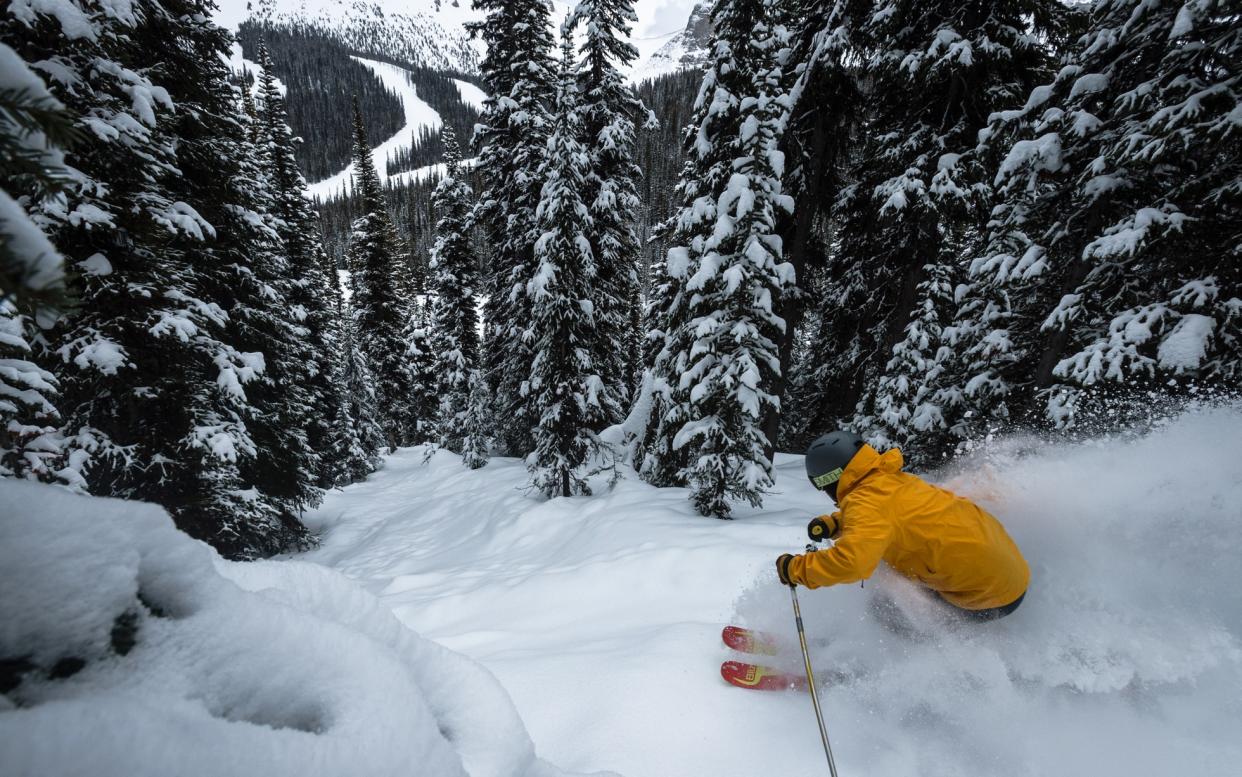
(926, 533)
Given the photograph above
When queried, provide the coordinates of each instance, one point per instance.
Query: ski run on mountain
(452, 388)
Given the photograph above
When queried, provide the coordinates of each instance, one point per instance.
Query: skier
(942, 541)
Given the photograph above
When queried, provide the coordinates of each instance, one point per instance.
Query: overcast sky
(660, 16)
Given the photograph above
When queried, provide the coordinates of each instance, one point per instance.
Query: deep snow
(274, 668)
(593, 624)
(601, 615)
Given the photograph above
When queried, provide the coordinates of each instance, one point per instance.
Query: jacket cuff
(797, 571)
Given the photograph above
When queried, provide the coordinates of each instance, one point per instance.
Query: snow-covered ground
(599, 618)
(418, 114)
(126, 649)
(601, 615)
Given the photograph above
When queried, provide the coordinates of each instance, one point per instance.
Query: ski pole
(810, 679)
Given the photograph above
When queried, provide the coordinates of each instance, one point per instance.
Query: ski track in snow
(470, 94)
(601, 616)
(418, 114)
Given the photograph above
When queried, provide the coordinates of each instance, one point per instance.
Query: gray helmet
(827, 458)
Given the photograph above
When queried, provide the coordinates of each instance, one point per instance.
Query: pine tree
(511, 136)
(421, 370)
(475, 439)
(610, 109)
(380, 315)
(181, 369)
(241, 268)
(660, 406)
(359, 421)
(565, 387)
(936, 71)
(720, 357)
(152, 402)
(34, 129)
(909, 402)
(1112, 259)
(310, 285)
(821, 144)
(454, 315)
(263, 320)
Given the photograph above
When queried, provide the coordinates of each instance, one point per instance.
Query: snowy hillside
(432, 32)
(424, 481)
(418, 114)
(601, 616)
(689, 49)
(429, 33)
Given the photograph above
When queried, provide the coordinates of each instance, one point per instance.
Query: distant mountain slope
(417, 115)
(322, 74)
(428, 33)
(689, 49)
(321, 79)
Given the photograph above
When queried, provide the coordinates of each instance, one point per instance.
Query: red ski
(760, 678)
(748, 641)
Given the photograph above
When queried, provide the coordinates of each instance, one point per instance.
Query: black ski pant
(885, 610)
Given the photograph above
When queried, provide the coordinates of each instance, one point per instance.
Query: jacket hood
(866, 461)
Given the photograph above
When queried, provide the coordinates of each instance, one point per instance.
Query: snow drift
(130, 649)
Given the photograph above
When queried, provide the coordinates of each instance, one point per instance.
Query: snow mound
(127, 648)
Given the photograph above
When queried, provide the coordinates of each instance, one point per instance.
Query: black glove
(825, 527)
(782, 568)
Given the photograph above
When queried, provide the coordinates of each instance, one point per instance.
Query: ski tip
(749, 641)
(759, 678)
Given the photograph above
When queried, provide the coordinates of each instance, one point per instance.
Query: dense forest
(926, 222)
(660, 154)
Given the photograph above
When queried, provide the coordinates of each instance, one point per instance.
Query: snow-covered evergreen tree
(1112, 261)
(720, 357)
(477, 425)
(380, 315)
(420, 367)
(935, 72)
(360, 433)
(152, 396)
(238, 266)
(908, 405)
(610, 110)
(34, 128)
(262, 320)
(566, 390)
(511, 136)
(311, 286)
(168, 223)
(821, 144)
(455, 318)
